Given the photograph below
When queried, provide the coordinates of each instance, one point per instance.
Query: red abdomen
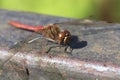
(26, 27)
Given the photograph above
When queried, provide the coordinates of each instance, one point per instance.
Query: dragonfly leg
(59, 43)
(65, 50)
(51, 48)
(70, 49)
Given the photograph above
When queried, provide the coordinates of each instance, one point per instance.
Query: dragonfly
(51, 32)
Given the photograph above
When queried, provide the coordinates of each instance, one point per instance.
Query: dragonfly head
(64, 37)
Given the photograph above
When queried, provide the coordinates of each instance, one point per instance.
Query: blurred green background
(107, 10)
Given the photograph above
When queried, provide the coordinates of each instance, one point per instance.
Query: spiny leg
(65, 50)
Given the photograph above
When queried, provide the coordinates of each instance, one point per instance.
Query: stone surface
(95, 41)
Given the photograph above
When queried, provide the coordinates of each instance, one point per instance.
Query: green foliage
(107, 10)
(66, 8)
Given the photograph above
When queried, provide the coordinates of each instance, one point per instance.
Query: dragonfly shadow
(76, 43)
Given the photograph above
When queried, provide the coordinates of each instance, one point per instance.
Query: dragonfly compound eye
(64, 37)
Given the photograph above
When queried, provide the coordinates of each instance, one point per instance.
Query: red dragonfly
(52, 32)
